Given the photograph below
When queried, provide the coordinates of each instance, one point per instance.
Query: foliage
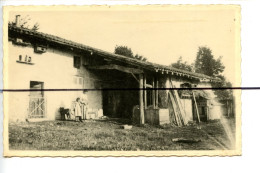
(140, 57)
(182, 65)
(206, 64)
(107, 135)
(223, 93)
(125, 51)
(25, 23)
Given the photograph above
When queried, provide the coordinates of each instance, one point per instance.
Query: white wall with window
(56, 69)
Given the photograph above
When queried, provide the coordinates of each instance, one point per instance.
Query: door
(37, 102)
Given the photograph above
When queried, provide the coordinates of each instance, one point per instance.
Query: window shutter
(76, 62)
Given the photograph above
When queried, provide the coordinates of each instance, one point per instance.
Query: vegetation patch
(107, 135)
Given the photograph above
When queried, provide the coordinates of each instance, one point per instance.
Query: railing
(37, 107)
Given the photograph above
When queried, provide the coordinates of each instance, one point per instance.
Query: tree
(225, 93)
(25, 23)
(140, 57)
(182, 65)
(206, 64)
(125, 51)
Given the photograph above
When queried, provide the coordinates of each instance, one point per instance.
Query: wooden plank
(116, 67)
(196, 106)
(179, 113)
(176, 113)
(174, 109)
(171, 111)
(145, 93)
(157, 93)
(207, 113)
(153, 94)
(141, 101)
(148, 85)
(135, 77)
(37, 107)
(179, 105)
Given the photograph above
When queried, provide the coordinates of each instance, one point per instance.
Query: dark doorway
(120, 95)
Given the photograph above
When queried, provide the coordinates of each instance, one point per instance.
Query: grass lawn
(107, 135)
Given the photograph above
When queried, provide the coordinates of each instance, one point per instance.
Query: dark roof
(142, 64)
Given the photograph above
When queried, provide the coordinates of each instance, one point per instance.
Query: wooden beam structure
(157, 93)
(153, 94)
(145, 93)
(141, 99)
(149, 86)
(67, 44)
(116, 67)
(135, 77)
(196, 106)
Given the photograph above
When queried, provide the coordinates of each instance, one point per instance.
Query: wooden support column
(141, 99)
(145, 93)
(153, 93)
(196, 106)
(157, 93)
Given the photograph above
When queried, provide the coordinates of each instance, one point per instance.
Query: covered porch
(128, 92)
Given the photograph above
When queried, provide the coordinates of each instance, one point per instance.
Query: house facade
(44, 73)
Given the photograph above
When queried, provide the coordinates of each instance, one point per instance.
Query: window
(76, 62)
(37, 89)
(185, 85)
(78, 81)
(185, 94)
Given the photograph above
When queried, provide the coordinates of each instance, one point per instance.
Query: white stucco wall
(55, 69)
(215, 112)
(204, 85)
(187, 106)
(187, 103)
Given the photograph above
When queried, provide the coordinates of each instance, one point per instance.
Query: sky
(161, 34)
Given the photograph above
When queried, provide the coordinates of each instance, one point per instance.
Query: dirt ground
(108, 135)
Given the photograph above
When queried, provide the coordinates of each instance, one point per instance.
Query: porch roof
(163, 69)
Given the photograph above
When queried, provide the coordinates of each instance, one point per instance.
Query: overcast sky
(160, 34)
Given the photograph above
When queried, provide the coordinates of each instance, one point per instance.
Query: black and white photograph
(122, 80)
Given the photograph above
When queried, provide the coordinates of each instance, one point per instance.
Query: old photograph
(122, 80)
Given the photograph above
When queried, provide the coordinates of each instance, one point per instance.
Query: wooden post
(196, 106)
(232, 108)
(156, 93)
(141, 99)
(145, 93)
(207, 108)
(228, 110)
(153, 93)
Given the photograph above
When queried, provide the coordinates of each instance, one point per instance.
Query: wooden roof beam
(117, 67)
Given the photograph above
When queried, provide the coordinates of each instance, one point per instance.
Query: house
(51, 72)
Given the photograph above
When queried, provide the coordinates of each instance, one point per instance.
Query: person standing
(84, 105)
(77, 110)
